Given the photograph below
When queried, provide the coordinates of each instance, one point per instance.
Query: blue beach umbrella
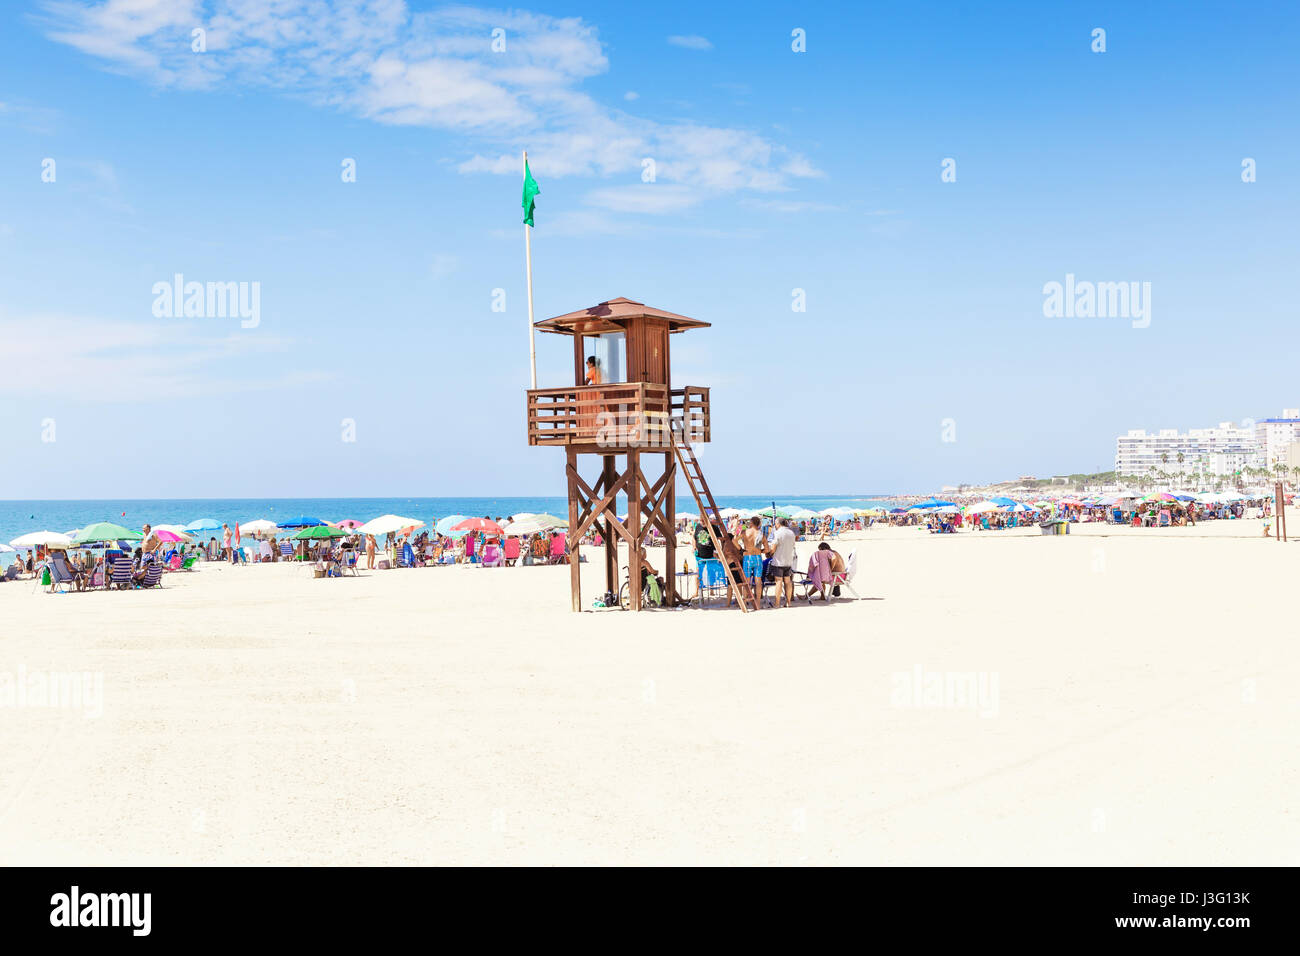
(444, 526)
(202, 524)
(302, 521)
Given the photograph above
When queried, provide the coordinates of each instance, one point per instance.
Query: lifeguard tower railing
(628, 414)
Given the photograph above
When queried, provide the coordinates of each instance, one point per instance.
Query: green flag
(531, 189)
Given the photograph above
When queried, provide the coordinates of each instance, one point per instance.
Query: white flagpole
(528, 265)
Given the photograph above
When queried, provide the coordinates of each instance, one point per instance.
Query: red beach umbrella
(478, 524)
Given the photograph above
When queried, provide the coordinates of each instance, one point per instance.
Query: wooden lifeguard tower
(636, 415)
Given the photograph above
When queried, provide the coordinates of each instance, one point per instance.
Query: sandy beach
(1136, 710)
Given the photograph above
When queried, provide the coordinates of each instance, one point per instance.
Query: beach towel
(819, 568)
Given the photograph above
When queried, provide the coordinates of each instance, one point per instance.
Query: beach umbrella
(444, 526)
(43, 539)
(175, 529)
(259, 526)
(1019, 508)
(1158, 496)
(5, 549)
(350, 524)
(301, 521)
(105, 531)
(480, 524)
(168, 537)
(773, 512)
(532, 524)
(980, 507)
(318, 531)
(932, 504)
(386, 524)
(203, 524)
(692, 516)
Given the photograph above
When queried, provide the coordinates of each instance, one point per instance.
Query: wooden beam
(634, 519)
(611, 542)
(575, 566)
(670, 541)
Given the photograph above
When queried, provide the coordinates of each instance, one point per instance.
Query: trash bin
(1056, 526)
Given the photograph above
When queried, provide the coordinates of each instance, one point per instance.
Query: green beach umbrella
(320, 531)
(102, 531)
(773, 512)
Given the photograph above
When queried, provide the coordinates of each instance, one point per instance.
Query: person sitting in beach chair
(491, 557)
(61, 572)
(559, 550)
(510, 551)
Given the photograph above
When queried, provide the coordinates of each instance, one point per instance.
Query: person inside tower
(593, 371)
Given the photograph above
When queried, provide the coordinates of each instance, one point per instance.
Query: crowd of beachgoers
(106, 555)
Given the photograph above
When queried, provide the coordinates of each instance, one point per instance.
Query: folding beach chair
(844, 579)
(559, 551)
(11, 572)
(153, 574)
(711, 578)
(491, 556)
(510, 551)
(286, 551)
(121, 576)
(60, 573)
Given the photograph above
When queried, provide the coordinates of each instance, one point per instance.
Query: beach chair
(286, 551)
(174, 562)
(510, 551)
(60, 573)
(558, 553)
(121, 576)
(407, 556)
(844, 579)
(711, 578)
(153, 575)
(491, 556)
(11, 572)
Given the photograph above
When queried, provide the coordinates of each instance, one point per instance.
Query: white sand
(1145, 714)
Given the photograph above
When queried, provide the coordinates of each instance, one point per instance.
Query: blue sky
(776, 171)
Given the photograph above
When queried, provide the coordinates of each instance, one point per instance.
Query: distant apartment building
(1273, 436)
(1222, 450)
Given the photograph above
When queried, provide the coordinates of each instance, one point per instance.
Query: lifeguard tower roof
(612, 316)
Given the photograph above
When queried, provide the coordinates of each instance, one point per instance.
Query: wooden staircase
(709, 514)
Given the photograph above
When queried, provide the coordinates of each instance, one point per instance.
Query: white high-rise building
(1222, 450)
(1274, 435)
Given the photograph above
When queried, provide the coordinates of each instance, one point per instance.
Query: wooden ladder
(709, 514)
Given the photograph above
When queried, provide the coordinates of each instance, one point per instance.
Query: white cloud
(630, 95)
(380, 60)
(691, 42)
(787, 205)
(655, 198)
(165, 357)
(444, 265)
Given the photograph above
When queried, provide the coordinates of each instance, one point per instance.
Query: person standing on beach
(225, 542)
(782, 563)
(752, 559)
(370, 552)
